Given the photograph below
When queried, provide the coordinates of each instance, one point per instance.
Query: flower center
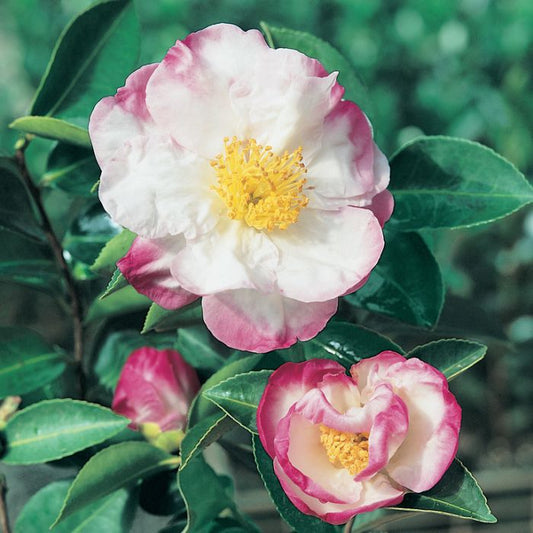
(345, 450)
(258, 186)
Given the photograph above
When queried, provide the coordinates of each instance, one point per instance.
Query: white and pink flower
(250, 183)
(343, 445)
(156, 388)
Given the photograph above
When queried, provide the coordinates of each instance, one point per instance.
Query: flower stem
(4, 522)
(57, 249)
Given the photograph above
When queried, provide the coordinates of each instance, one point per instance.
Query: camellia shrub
(236, 227)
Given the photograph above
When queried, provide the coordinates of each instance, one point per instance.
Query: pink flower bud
(343, 445)
(156, 386)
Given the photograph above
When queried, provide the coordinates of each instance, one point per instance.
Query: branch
(4, 522)
(57, 249)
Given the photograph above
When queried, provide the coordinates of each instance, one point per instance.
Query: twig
(4, 522)
(57, 249)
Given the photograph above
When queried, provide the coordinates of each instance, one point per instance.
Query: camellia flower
(344, 445)
(249, 182)
(155, 390)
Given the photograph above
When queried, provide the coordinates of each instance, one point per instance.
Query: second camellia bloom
(250, 183)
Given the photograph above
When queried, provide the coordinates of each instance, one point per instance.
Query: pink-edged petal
(367, 373)
(146, 266)
(434, 423)
(156, 188)
(285, 387)
(348, 169)
(233, 256)
(223, 81)
(379, 493)
(123, 116)
(325, 253)
(303, 458)
(249, 320)
(382, 206)
(340, 391)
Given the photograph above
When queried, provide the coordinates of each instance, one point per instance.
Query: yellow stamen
(257, 186)
(345, 450)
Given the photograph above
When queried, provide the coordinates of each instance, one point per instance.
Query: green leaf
(239, 396)
(89, 233)
(450, 356)
(16, 208)
(53, 128)
(204, 433)
(113, 468)
(28, 263)
(406, 284)
(200, 349)
(297, 520)
(113, 514)
(53, 429)
(201, 407)
(331, 60)
(72, 169)
(457, 494)
(117, 282)
(160, 495)
(92, 57)
(123, 301)
(347, 344)
(114, 250)
(208, 499)
(160, 319)
(443, 182)
(27, 363)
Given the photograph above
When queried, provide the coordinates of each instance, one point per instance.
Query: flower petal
(146, 266)
(378, 493)
(222, 81)
(233, 256)
(434, 423)
(326, 253)
(286, 386)
(156, 188)
(248, 320)
(118, 118)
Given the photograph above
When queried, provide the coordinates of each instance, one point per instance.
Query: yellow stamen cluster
(345, 450)
(257, 186)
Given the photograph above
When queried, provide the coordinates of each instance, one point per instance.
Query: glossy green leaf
(331, 59)
(443, 182)
(72, 169)
(297, 520)
(27, 362)
(202, 407)
(123, 301)
(406, 284)
(208, 499)
(239, 396)
(347, 343)
(200, 349)
(456, 494)
(53, 429)
(39, 274)
(53, 128)
(91, 59)
(114, 250)
(117, 282)
(450, 356)
(113, 468)
(161, 319)
(16, 211)
(89, 233)
(113, 514)
(204, 433)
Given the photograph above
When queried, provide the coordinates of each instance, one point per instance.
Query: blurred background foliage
(454, 67)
